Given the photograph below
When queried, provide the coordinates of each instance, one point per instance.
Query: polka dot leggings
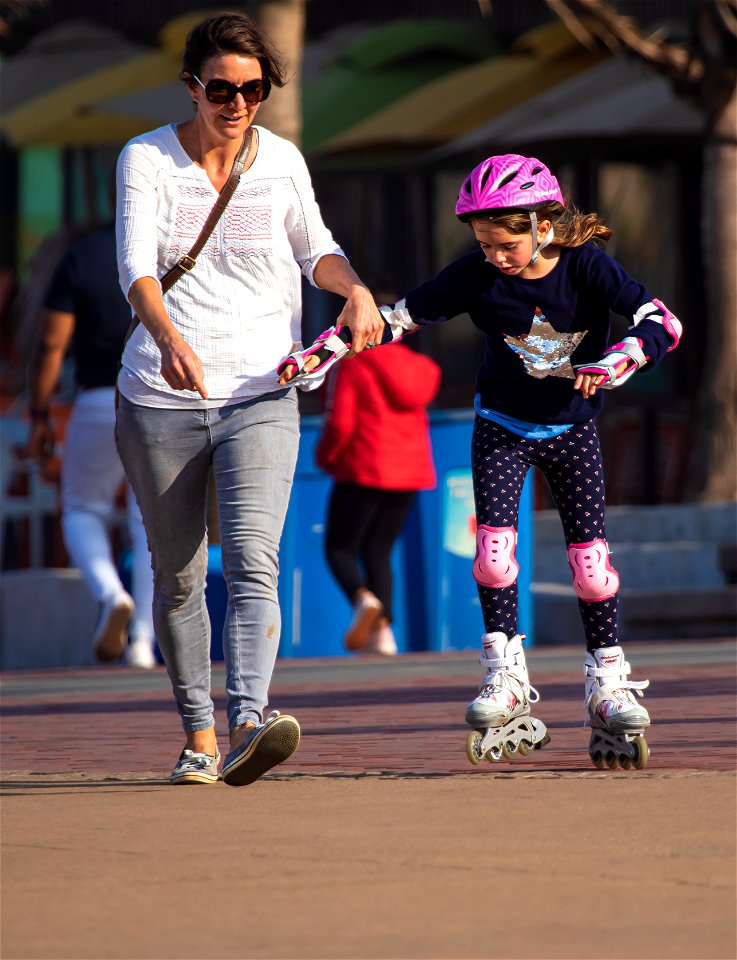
(571, 465)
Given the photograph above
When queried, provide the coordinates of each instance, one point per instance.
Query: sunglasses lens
(221, 91)
(255, 91)
(264, 89)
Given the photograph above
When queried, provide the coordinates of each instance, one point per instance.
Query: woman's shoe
(195, 768)
(267, 745)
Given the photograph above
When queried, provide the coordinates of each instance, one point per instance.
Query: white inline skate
(500, 713)
(617, 720)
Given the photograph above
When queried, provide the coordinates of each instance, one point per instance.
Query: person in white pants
(85, 308)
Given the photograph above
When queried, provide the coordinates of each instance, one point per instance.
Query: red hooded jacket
(376, 429)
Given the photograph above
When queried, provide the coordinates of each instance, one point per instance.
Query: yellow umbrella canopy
(68, 115)
(464, 99)
(58, 55)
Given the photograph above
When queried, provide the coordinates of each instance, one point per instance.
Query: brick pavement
(369, 715)
(377, 839)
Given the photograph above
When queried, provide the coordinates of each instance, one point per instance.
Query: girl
(540, 289)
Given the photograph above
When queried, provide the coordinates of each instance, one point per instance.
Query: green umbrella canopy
(382, 65)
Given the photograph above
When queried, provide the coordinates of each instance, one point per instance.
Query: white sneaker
(382, 641)
(140, 653)
(111, 632)
(366, 611)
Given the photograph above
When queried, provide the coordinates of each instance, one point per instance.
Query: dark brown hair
(230, 33)
(572, 228)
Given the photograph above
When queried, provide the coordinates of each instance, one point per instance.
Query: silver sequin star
(544, 351)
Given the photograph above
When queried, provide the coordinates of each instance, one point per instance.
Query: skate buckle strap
(499, 676)
(616, 673)
(492, 663)
(614, 678)
(618, 670)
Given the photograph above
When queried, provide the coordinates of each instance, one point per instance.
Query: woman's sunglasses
(223, 91)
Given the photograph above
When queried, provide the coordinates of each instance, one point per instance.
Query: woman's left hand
(361, 315)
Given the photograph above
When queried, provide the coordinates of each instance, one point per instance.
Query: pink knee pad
(495, 565)
(594, 578)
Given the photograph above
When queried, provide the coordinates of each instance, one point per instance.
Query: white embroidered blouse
(240, 308)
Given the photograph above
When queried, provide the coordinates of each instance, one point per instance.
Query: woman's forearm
(180, 365)
(360, 313)
(148, 303)
(334, 273)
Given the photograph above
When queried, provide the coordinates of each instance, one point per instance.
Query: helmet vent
(508, 179)
(467, 186)
(485, 177)
(536, 170)
(526, 186)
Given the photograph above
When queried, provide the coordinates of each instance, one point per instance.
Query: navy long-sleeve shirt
(537, 330)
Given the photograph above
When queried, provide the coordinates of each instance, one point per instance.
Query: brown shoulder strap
(187, 262)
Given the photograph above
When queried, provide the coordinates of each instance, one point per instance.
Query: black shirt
(86, 284)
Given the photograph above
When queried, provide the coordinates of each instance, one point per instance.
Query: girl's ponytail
(573, 228)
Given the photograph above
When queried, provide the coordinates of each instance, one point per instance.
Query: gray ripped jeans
(167, 455)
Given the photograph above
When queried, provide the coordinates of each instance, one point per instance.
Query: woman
(198, 380)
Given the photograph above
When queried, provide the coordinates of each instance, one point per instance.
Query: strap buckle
(187, 263)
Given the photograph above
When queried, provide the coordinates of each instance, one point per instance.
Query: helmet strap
(549, 237)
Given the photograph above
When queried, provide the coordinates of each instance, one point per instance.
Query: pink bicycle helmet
(508, 182)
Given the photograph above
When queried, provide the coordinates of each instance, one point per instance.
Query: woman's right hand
(180, 365)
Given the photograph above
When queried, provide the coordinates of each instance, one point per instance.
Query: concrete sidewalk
(378, 838)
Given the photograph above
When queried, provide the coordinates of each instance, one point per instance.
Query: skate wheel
(625, 761)
(642, 753)
(610, 759)
(473, 747)
(598, 760)
(509, 749)
(495, 754)
(525, 747)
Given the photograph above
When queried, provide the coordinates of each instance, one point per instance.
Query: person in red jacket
(376, 446)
